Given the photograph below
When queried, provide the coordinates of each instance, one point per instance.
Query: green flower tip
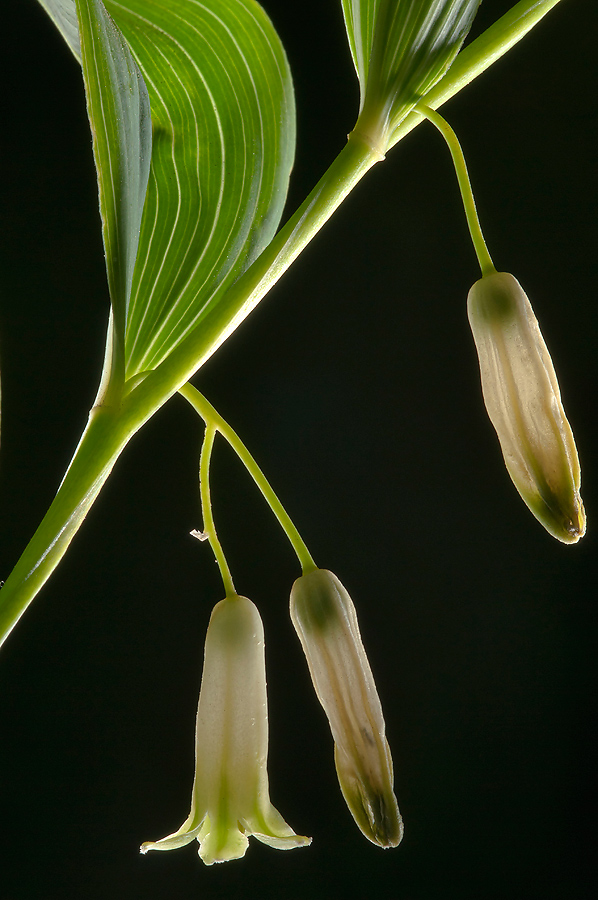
(523, 401)
(231, 799)
(326, 621)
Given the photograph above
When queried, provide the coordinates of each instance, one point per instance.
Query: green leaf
(119, 113)
(479, 55)
(64, 15)
(223, 122)
(223, 146)
(360, 17)
(401, 48)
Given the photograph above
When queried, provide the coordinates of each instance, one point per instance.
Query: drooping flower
(230, 793)
(325, 620)
(523, 401)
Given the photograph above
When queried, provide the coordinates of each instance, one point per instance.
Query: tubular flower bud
(523, 400)
(230, 793)
(325, 620)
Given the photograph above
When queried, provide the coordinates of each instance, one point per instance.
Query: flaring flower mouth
(325, 619)
(231, 799)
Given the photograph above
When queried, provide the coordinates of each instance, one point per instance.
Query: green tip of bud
(373, 806)
(563, 517)
(523, 401)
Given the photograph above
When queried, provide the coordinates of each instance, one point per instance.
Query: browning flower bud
(325, 620)
(523, 401)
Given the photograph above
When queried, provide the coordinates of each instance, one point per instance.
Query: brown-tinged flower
(325, 620)
(523, 400)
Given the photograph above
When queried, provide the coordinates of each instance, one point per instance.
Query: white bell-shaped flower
(523, 401)
(325, 620)
(230, 793)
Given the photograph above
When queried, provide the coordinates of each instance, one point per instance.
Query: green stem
(479, 56)
(214, 420)
(354, 160)
(206, 505)
(111, 426)
(100, 446)
(471, 213)
(109, 430)
(352, 163)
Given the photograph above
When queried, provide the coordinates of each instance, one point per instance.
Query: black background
(355, 384)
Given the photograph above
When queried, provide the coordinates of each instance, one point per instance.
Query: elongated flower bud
(523, 400)
(325, 620)
(230, 798)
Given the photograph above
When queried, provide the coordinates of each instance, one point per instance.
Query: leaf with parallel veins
(401, 48)
(223, 124)
(64, 15)
(119, 114)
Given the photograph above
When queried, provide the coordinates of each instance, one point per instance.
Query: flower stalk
(469, 204)
(106, 436)
(215, 422)
(208, 516)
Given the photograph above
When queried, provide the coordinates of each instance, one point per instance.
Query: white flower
(230, 793)
(523, 400)
(325, 619)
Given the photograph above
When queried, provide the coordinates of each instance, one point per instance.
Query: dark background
(355, 384)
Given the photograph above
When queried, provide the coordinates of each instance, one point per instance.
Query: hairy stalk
(214, 421)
